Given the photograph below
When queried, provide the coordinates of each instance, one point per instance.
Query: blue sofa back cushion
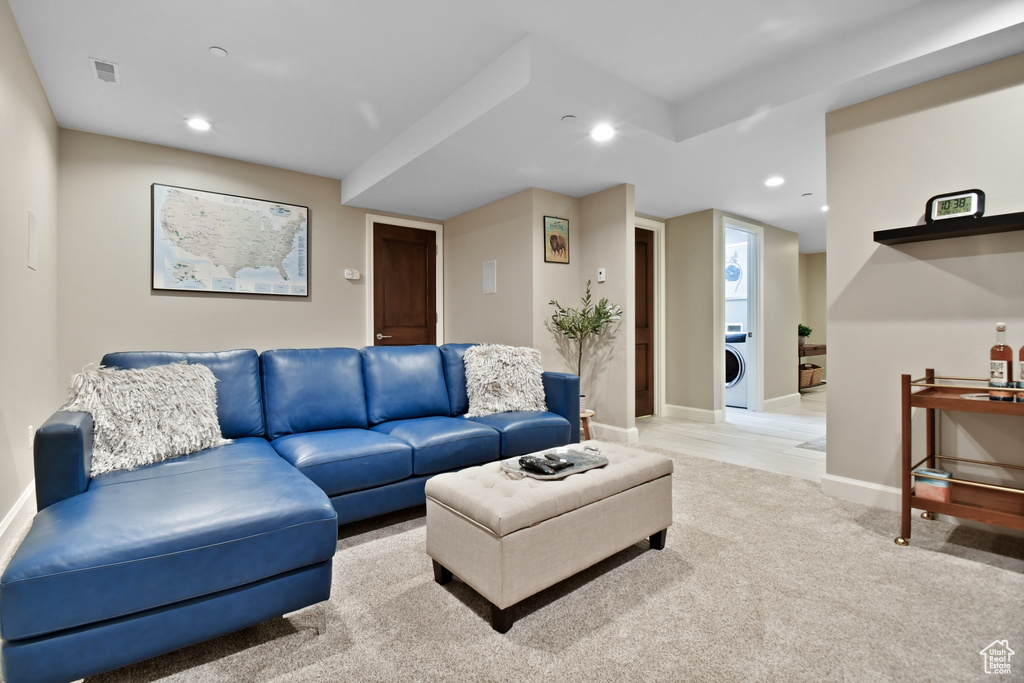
(403, 382)
(455, 376)
(239, 397)
(309, 390)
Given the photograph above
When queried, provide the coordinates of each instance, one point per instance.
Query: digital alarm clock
(955, 205)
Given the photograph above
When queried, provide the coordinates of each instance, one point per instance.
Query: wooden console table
(802, 352)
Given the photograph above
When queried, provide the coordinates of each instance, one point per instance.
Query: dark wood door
(644, 322)
(404, 286)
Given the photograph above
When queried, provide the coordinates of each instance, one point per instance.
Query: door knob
(383, 336)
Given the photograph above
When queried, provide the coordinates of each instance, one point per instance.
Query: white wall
(894, 310)
(29, 390)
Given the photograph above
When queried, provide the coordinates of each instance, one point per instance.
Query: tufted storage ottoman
(510, 538)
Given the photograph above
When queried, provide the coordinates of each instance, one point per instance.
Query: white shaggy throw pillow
(501, 379)
(147, 415)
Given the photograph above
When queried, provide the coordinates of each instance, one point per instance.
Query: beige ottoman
(509, 538)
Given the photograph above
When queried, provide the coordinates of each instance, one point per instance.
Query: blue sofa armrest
(62, 454)
(562, 392)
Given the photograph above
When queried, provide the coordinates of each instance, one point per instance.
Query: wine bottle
(1000, 372)
(1020, 377)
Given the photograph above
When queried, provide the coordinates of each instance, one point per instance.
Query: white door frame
(438, 270)
(658, 228)
(755, 312)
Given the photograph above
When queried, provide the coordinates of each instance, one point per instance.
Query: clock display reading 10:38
(955, 205)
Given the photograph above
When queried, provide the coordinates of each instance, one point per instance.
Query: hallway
(774, 441)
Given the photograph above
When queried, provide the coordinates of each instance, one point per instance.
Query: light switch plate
(490, 277)
(600, 275)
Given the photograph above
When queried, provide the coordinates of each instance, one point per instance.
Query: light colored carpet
(763, 578)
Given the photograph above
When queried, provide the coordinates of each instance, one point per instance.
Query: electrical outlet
(31, 436)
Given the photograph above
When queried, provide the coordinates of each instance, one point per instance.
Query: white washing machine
(736, 370)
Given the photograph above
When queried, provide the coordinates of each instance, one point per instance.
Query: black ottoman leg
(658, 540)
(501, 619)
(441, 575)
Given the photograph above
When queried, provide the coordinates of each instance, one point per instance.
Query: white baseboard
(780, 402)
(889, 498)
(14, 521)
(612, 433)
(695, 414)
(863, 492)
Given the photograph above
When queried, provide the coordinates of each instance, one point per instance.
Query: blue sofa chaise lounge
(135, 563)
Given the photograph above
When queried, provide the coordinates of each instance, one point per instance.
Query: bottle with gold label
(1000, 372)
(1020, 377)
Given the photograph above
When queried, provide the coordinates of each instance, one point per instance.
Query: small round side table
(585, 416)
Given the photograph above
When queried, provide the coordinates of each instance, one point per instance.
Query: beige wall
(894, 310)
(781, 294)
(501, 231)
(691, 291)
(511, 231)
(105, 302)
(559, 281)
(29, 390)
(694, 308)
(608, 241)
(813, 309)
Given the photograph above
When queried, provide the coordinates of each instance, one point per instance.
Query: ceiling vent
(105, 71)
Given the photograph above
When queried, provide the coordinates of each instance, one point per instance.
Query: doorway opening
(742, 313)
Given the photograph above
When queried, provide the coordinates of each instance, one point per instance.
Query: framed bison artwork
(556, 240)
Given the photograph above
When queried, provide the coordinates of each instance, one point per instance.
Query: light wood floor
(765, 441)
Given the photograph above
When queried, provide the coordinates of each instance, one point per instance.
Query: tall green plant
(586, 321)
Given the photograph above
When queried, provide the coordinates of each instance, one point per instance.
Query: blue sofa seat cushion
(308, 390)
(527, 431)
(154, 537)
(344, 460)
(239, 394)
(442, 443)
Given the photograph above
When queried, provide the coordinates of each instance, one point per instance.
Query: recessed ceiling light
(199, 124)
(218, 52)
(774, 181)
(825, 208)
(602, 132)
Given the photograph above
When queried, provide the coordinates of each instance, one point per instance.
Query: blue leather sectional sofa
(132, 564)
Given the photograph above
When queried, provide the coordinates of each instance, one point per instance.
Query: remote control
(536, 465)
(556, 462)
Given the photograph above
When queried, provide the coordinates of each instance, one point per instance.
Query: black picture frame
(221, 243)
(556, 239)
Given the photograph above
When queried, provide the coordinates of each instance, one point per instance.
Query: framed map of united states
(210, 242)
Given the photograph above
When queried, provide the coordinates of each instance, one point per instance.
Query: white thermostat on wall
(351, 274)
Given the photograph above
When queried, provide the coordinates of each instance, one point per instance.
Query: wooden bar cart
(982, 502)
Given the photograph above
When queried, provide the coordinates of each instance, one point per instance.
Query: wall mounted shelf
(952, 227)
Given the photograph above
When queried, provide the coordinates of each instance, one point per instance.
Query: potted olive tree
(582, 326)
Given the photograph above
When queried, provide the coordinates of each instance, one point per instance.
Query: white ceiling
(433, 107)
